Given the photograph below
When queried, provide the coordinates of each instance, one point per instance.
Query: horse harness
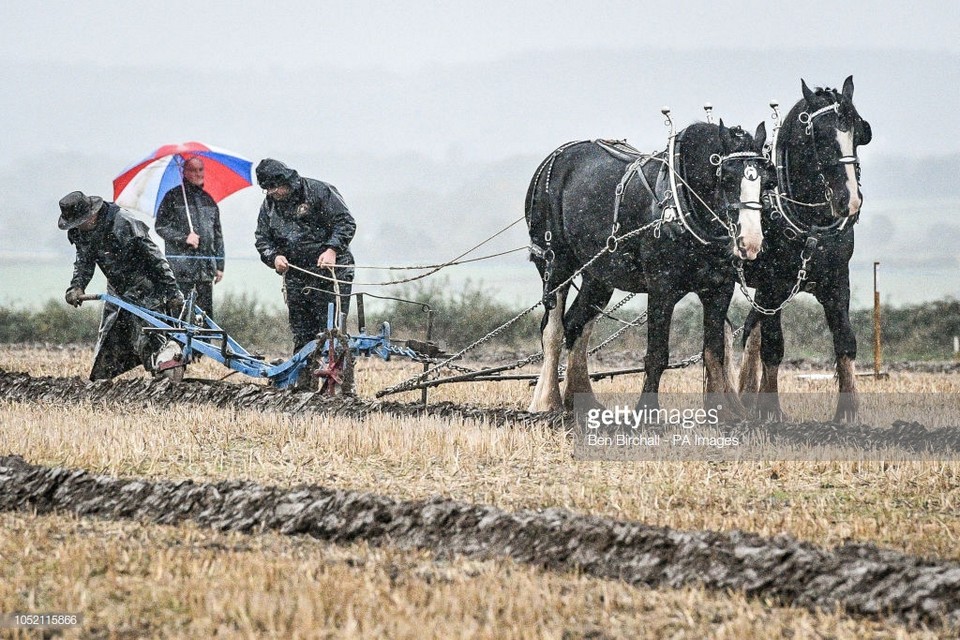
(670, 204)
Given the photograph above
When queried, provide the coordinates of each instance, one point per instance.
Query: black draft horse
(682, 226)
(808, 219)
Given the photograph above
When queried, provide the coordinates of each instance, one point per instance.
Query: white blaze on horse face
(845, 140)
(751, 234)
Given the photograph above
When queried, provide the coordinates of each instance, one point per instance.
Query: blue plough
(328, 358)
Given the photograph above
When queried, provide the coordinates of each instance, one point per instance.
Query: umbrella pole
(186, 205)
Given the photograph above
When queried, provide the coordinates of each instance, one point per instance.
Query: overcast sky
(408, 35)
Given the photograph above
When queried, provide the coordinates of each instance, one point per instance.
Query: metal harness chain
(421, 358)
(805, 256)
(607, 312)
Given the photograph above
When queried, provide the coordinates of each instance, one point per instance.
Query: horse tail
(534, 220)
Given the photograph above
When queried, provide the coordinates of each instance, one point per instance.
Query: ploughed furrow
(143, 392)
(909, 437)
(860, 578)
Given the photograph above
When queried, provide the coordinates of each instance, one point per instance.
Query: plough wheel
(336, 376)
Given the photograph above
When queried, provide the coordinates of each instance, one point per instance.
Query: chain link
(801, 276)
(423, 358)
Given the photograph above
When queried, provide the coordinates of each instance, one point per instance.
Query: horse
(681, 216)
(809, 218)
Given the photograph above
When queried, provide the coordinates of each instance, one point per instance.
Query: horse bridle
(738, 205)
(779, 200)
(808, 120)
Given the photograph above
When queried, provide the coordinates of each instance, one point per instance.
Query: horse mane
(828, 92)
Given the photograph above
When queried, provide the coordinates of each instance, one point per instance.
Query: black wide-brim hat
(76, 208)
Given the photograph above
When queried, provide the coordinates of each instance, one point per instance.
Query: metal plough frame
(196, 333)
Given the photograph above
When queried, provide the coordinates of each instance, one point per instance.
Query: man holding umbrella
(109, 237)
(188, 220)
(305, 228)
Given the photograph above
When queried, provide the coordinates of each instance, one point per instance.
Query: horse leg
(728, 370)
(546, 395)
(749, 382)
(836, 310)
(719, 387)
(771, 355)
(579, 322)
(659, 313)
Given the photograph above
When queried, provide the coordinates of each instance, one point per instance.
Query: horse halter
(807, 119)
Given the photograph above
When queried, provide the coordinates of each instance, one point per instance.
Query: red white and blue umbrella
(142, 185)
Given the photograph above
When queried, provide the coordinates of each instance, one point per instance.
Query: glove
(175, 303)
(73, 296)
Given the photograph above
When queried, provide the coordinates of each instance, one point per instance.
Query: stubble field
(136, 579)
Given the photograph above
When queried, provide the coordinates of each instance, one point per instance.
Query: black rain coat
(313, 219)
(189, 264)
(136, 271)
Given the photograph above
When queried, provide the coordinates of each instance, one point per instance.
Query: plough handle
(89, 296)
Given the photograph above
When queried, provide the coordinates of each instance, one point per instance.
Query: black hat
(76, 208)
(273, 173)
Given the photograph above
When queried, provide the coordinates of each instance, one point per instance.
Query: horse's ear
(848, 88)
(726, 140)
(807, 94)
(760, 137)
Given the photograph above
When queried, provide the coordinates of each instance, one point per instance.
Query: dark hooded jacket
(135, 270)
(313, 219)
(189, 264)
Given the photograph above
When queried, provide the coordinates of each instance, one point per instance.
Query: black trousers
(204, 291)
(307, 304)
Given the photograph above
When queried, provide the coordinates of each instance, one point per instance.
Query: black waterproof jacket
(189, 264)
(135, 270)
(313, 219)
